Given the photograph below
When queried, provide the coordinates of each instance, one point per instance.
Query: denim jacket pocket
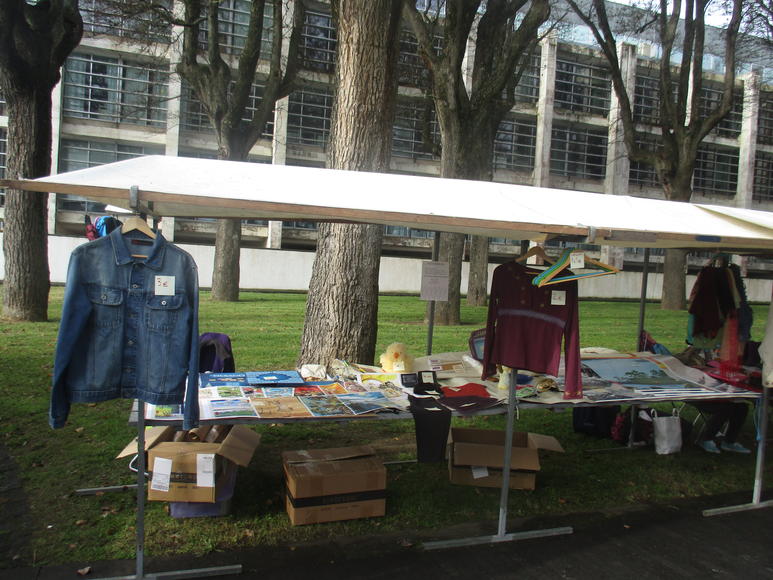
(162, 312)
(106, 304)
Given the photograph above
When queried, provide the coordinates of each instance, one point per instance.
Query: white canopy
(189, 187)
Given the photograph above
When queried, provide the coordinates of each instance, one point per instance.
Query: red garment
(466, 390)
(526, 326)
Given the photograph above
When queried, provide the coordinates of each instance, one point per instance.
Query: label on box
(205, 469)
(164, 286)
(558, 298)
(479, 471)
(398, 366)
(162, 472)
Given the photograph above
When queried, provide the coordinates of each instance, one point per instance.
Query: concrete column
(278, 157)
(618, 164)
(56, 131)
(748, 139)
(547, 94)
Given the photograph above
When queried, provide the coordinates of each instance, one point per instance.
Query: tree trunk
(477, 282)
(25, 239)
(451, 251)
(342, 307)
(674, 280)
(225, 275)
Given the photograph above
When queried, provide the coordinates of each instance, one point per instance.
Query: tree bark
(25, 239)
(674, 280)
(35, 39)
(477, 283)
(225, 275)
(342, 306)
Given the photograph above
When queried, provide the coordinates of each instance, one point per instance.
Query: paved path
(647, 542)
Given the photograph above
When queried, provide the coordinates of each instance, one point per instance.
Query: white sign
(164, 286)
(205, 469)
(162, 473)
(576, 261)
(434, 281)
(558, 298)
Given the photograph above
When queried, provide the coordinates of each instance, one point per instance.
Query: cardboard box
(327, 485)
(476, 457)
(193, 472)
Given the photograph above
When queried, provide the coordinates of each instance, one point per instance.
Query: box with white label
(192, 472)
(476, 457)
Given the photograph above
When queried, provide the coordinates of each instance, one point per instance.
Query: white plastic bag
(668, 433)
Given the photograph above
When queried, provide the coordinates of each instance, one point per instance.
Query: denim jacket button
(104, 296)
(163, 303)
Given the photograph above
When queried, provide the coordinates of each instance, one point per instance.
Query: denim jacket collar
(122, 254)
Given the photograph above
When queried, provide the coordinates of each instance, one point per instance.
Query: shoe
(734, 447)
(709, 446)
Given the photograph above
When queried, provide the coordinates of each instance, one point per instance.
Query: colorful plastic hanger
(550, 276)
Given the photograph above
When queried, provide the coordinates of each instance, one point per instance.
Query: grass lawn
(265, 328)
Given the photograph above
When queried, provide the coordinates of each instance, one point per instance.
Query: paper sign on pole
(434, 281)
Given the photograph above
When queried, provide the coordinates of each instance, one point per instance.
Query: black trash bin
(432, 422)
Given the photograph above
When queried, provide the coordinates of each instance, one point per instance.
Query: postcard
(361, 403)
(280, 408)
(252, 391)
(325, 406)
(222, 408)
(171, 412)
(222, 379)
(354, 387)
(278, 391)
(334, 389)
(311, 391)
(275, 377)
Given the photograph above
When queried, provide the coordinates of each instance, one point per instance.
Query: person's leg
(736, 417)
(715, 414)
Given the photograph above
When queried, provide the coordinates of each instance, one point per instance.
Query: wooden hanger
(135, 222)
(550, 276)
(538, 251)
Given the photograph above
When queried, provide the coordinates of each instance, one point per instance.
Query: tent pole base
(737, 508)
(194, 573)
(441, 544)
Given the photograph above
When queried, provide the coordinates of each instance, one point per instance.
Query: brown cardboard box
(191, 472)
(327, 485)
(475, 457)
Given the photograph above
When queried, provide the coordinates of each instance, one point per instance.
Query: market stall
(184, 187)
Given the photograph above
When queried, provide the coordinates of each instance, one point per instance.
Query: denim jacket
(121, 338)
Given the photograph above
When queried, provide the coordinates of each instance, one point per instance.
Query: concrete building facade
(119, 98)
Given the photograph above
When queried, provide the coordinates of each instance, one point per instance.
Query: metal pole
(643, 298)
(431, 327)
(762, 438)
(505, 491)
(140, 489)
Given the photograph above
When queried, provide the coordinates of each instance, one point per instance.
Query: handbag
(668, 433)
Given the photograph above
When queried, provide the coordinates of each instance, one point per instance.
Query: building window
(763, 176)
(644, 174)
(578, 152)
(318, 42)
(711, 97)
(582, 87)
(112, 17)
(115, 90)
(3, 148)
(646, 99)
(2, 106)
(410, 66)
(195, 118)
(527, 89)
(765, 120)
(412, 119)
(233, 22)
(77, 154)
(308, 119)
(515, 144)
(716, 170)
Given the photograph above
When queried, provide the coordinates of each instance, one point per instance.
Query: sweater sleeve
(489, 366)
(572, 373)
